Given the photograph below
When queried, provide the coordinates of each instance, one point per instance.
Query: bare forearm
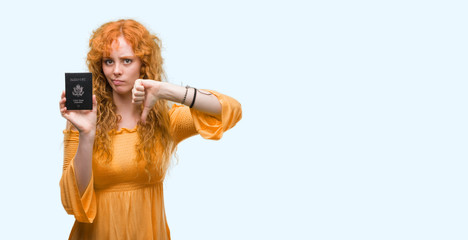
(83, 161)
(204, 101)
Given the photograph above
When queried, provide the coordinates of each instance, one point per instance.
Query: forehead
(120, 47)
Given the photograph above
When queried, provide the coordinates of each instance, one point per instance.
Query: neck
(129, 111)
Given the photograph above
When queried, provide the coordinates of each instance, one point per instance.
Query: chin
(122, 91)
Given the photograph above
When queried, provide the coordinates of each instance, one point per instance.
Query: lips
(117, 82)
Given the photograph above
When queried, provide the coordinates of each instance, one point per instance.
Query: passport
(79, 91)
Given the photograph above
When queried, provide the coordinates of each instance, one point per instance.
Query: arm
(212, 113)
(204, 101)
(186, 122)
(76, 183)
(148, 92)
(84, 121)
(81, 205)
(83, 160)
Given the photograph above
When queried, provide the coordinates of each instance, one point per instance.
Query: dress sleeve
(82, 207)
(186, 122)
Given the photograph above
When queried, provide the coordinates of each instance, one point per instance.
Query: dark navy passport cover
(79, 91)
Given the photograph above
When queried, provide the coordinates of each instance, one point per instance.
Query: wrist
(170, 92)
(88, 135)
(163, 91)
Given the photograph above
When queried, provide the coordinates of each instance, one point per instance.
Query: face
(121, 67)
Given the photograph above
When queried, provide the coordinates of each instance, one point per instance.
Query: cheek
(106, 71)
(136, 70)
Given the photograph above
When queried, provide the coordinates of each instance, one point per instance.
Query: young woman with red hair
(117, 154)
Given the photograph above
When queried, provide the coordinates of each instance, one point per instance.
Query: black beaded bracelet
(185, 96)
(194, 96)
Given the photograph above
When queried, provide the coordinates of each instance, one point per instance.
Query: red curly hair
(155, 144)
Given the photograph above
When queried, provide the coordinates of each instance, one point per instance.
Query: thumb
(144, 114)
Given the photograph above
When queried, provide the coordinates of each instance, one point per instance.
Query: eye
(108, 61)
(127, 61)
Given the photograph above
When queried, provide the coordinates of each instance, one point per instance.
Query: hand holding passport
(79, 96)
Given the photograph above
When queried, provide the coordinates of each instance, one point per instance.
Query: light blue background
(354, 126)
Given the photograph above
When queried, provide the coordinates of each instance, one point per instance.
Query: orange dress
(119, 203)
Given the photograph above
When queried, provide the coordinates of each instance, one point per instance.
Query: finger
(146, 83)
(62, 99)
(135, 90)
(62, 102)
(145, 113)
(140, 88)
(94, 103)
(138, 99)
(138, 94)
(137, 87)
(64, 112)
(137, 83)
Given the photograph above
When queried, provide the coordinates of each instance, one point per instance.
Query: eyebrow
(108, 57)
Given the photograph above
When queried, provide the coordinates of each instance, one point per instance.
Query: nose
(117, 69)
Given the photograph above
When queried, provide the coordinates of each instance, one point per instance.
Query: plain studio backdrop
(354, 116)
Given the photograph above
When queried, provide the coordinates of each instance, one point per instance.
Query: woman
(117, 154)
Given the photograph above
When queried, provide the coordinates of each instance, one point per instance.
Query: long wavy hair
(155, 143)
